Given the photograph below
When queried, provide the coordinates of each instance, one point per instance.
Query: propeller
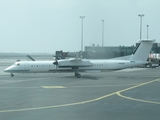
(56, 62)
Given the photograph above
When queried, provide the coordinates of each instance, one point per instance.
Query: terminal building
(106, 52)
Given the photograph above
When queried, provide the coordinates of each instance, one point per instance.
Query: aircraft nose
(6, 70)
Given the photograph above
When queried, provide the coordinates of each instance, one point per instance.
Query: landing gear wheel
(78, 75)
(12, 75)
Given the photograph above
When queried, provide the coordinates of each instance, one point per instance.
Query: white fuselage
(48, 66)
(76, 65)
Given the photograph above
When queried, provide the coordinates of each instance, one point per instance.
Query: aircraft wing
(74, 62)
(30, 57)
(75, 59)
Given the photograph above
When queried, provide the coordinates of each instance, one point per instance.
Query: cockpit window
(16, 64)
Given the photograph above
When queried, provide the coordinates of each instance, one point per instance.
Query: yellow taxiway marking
(140, 100)
(53, 87)
(79, 103)
(146, 101)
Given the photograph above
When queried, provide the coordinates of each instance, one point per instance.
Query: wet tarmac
(130, 94)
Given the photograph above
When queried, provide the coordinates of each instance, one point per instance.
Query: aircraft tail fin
(142, 51)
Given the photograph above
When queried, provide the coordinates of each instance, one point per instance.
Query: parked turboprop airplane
(76, 65)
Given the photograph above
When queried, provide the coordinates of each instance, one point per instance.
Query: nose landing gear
(12, 75)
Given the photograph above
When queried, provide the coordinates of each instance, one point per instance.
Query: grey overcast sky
(44, 26)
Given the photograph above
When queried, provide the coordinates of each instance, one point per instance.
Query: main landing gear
(12, 75)
(76, 70)
(77, 75)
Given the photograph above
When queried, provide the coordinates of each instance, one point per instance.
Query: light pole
(102, 33)
(82, 17)
(140, 15)
(147, 30)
